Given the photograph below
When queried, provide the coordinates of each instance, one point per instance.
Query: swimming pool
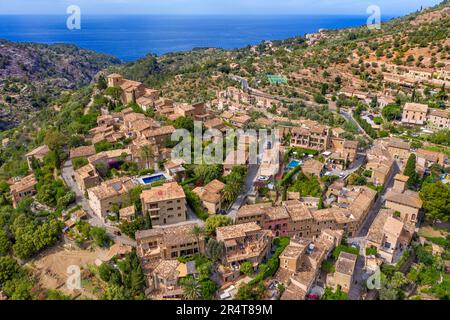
(293, 164)
(153, 178)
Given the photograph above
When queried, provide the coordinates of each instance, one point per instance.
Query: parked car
(312, 296)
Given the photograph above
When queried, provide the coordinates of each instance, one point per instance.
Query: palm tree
(197, 231)
(147, 153)
(230, 192)
(191, 289)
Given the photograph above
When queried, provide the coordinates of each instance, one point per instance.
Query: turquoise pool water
(293, 164)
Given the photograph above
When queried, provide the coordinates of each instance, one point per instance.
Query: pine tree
(410, 171)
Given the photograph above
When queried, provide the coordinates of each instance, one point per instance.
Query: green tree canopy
(214, 222)
(436, 201)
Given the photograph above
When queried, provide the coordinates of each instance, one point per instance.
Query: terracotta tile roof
(127, 212)
(297, 211)
(236, 231)
(185, 107)
(277, 213)
(375, 233)
(86, 171)
(168, 191)
(242, 119)
(432, 156)
(440, 113)
(398, 143)
(393, 226)
(292, 292)
(166, 130)
(351, 144)
(24, 184)
(145, 101)
(83, 151)
(408, 198)
(111, 154)
(111, 188)
(416, 107)
(401, 177)
(207, 196)
(214, 123)
(173, 235)
(312, 166)
(133, 116)
(215, 186)
(346, 263)
(39, 151)
(295, 248)
(252, 209)
(180, 234)
(167, 269)
(144, 124)
(129, 85)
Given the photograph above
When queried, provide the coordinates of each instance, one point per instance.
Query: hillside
(356, 56)
(31, 74)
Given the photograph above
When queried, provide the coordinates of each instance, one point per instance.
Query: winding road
(67, 174)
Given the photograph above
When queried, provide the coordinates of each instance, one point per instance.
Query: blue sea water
(130, 37)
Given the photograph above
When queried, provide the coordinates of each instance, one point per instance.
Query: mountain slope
(31, 74)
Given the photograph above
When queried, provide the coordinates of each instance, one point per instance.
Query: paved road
(246, 87)
(248, 188)
(354, 166)
(358, 280)
(364, 229)
(67, 173)
(349, 116)
(360, 275)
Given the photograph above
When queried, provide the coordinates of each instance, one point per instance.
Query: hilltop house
(23, 188)
(211, 196)
(165, 204)
(244, 242)
(415, 113)
(406, 202)
(103, 197)
(39, 153)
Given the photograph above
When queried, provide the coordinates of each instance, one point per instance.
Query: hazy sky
(388, 7)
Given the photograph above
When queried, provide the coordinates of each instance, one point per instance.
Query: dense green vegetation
(202, 287)
(338, 294)
(255, 289)
(436, 201)
(124, 278)
(307, 186)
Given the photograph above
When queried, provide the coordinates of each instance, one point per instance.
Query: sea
(130, 37)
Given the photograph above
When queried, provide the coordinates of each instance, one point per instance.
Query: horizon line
(204, 14)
